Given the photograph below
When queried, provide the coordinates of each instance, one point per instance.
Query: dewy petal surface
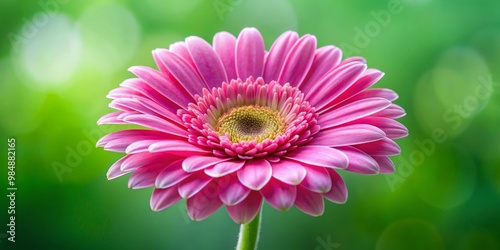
(231, 124)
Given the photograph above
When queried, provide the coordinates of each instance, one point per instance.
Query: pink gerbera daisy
(233, 124)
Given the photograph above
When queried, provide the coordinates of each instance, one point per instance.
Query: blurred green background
(59, 59)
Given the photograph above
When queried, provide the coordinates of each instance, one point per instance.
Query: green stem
(249, 234)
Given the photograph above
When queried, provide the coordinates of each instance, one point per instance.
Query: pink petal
(203, 204)
(164, 198)
(369, 93)
(289, 172)
(149, 92)
(135, 161)
(182, 71)
(140, 146)
(224, 45)
(367, 79)
(161, 111)
(193, 184)
(317, 179)
(338, 193)
(255, 174)
(319, 156)
(224, 168)
(279, 195)
(181, 49)
(176, 146)
(359, 161)
(145, 176)
(309, 202)
(118, 141)
(122, 92)
(111, 118)
(156, 123)
(246, 210)
(115, 169)
(383, 147)
(393, 112)
(171, 175)
(199, 162)
(231, 191)
(325, 59)
(348, 135)
(207, 62)
(386, 165)
(334, 83)
(249, 54)
(277, 54)
(298, 61)
(352, 111)
(392, 128)
(354, 59)
(158, 82)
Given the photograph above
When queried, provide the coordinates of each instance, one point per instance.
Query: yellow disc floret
(250, 123)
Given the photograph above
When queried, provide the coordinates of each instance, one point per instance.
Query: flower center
(250, 123)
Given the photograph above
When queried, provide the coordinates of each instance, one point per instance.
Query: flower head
(232, 125)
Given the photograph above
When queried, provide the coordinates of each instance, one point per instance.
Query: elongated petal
(224, 168)
(393, 112)
(207, 62)
(246, 210)
(198, 162)
(277, 54)
(255, 174)
(383, 147)
(370, 93)
(325, 59)
(338, 193)
(309, 202)
(145, 176)
(279, 195)
(193, 184)
(249, 54)
(158, 82)
(317, 179)
(164, 198)
(140, 146)
(182, 71)
(115, 169)
(203, 204)
(359, 161)
(148, 91)
(156, 123)
(138, 160)
(348, 135)
(393, 129)
(111, 118)
(171, 175)
(353, 111)
(176, 146)
(367, 79)
(289, 172)
(386, 165)
(298, 61)
(181, 49)
(319, 156)
(334, 84)
(225, 46)
(161, 111)
(231, 191)
(120, 140)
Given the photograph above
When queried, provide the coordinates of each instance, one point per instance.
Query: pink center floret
(299, 119)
